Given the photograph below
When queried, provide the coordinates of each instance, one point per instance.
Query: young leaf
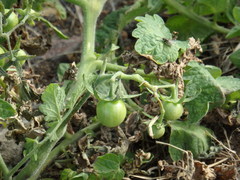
(235, 58)
(108, 166)
(236, 13)
(6, 109)
(234, 32)
(229, 84)
(155, 40)
(214, 71)
(190, 137)
(53, 103)
(210, 96)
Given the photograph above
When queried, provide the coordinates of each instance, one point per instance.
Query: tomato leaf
(67, 174)
(234, 32)
(106, 89)
(108, 166)
(188, 28)
(235, 58)
(229, 84)
(155, 40)
(6, 109)
(190, 137)
(214, 71)
(53, 103)
(210, 96)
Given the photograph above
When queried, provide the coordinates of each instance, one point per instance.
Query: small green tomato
(2, 61)
(111, 113)
(158, 131)
(173, 111)
(19, 54)
(11, 21)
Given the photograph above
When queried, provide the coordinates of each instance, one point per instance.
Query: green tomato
(2, 61)
(111, 113)
(158, 131)
(173, 111)
(11, 21)
(19, 54)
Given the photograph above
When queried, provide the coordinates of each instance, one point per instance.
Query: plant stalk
(3, 167)
(192, 15)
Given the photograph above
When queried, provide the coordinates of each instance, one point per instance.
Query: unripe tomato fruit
(173, 111)
(11, 21)
(111, 113)
(2, 61)
(19, 54)
(158, 131)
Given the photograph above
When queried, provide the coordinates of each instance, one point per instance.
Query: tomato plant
(11, 21)
(111, 113)
(173, 111)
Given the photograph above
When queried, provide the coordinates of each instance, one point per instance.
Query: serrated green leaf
(234, 32)
(235, 58)
(53, 103)
(190, 137)
(228, 84)
(108, 166)
(6, 109)
(187, 28)
(155, 40)
(210, 96)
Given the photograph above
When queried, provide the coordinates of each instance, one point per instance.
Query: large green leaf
(53, 103)
(200, 80)
(6, 109)
(190, 137)
(108, 166)
(155, 40)
(229, 84)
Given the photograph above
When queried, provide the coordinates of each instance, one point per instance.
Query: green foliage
(155, 40)
(228, 84)
(200, 80)
(108, 167)
(234, 32)
(6, 109)
(108, 88)
(188, 28)
(28, 147)
(190, 137)
(235, 58)
(53, 103)
(206, 7)
(214, 71)
(236, 13)
(8, 3)
(68, 174)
